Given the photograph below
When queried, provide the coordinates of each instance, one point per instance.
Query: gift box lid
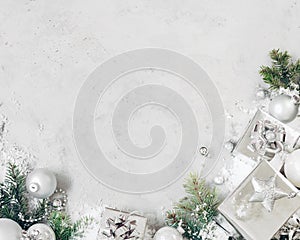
(252, 219)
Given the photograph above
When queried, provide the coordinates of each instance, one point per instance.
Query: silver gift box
(245, 144)
(252, 220)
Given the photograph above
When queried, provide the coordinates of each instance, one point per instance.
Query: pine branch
(14, 201)
(65, 229)
(196, 210)
(13, 194)
(14, 198)
(283, 72)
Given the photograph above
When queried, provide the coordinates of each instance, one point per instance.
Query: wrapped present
(265, 137)
(262, 203)
(122, 225)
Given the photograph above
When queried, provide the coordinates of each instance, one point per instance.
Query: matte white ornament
(167, 233)
(9, 229)
(41, 183)
(292, 168)
(41, 231)
(283, 108)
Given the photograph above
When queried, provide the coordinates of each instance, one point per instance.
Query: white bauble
(283, 108)
(41, 231)
(9, 229)
(167, 233)
(292, 168)
(41, 183)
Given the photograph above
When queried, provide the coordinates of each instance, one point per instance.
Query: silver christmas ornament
(167, 233)
(219, 180)
(41, 183)
(229, 145)
(203, 151)
(41, 231)
(266, 192)
(58, 200)
(283, 108)
(261, 93)
(9, 229)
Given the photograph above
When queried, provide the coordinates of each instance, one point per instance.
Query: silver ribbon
(267, 139)
(121, 228)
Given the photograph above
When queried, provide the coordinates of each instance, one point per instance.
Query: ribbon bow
(267, 139)
(121, 228)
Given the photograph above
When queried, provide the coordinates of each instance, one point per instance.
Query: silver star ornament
(266, 192)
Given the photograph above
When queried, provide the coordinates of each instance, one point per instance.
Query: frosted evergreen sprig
(194, 212)
(65, 229)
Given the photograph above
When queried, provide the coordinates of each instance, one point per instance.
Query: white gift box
(251, 219)
(113, 216)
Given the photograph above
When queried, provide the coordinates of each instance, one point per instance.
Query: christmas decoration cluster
(263, 206)
(33, 209)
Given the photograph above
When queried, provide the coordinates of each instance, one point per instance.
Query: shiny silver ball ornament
(41, 231)
(10, 230)
(203, 151)
(167, 233)
(283, 108)
(229, 145)
(41, 183)
(261, 93)
(219, 180)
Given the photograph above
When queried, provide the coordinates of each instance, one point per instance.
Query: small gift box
(120, 225)
(261, 204)
(265, 137)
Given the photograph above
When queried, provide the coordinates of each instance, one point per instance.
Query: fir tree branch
(283, 72)
(14, 198)
(196, 210)
(65, 229)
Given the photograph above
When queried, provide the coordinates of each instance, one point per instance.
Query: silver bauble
(261, 93)
(9, 229)
(219, 180)
(167, 233)
(229, 145)
(203, 151)
(41, 183)
(41, 231)
(283, 108)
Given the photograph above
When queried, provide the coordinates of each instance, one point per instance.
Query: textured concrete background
(49, 48)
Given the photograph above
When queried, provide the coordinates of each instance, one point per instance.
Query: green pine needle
(14, 199)
(196, 210)
(65, 229)
(283, 72)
